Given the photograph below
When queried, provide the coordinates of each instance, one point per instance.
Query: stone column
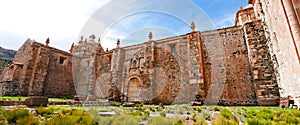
(293, 23)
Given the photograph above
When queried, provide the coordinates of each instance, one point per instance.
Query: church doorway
(134, 90)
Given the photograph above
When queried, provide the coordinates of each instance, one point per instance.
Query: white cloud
(58, 19)
(65, 20)
(227, 21)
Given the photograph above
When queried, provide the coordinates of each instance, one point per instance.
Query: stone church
(254, 62)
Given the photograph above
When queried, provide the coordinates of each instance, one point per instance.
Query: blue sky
(222, 12)
(65, 21)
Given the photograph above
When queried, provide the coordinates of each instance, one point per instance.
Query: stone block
(36, 101)
(79, 98)
(91, 98)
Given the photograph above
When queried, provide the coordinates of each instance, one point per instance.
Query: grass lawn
(153, 115)
(23, 98)
(13, 98)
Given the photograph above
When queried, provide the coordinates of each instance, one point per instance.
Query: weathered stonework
(38, 70)
(239, 65)
(282, 29)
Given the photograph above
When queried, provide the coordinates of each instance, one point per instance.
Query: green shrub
(139, 107)
(44, 111)
(113, 103)
(181, 122)
(13, 115)
(226, 118)
(75, 112)
(136, 113)
(65, 111)
(87, 120)
(200, 122)
(62, 120)
(124, 120)
(197, 120)
(28, 120)
(2, 118)
(199, 109)
(265, 116)
(146, 113)
(161, 121)
(221, 120)
(152, 109)
(252, 121)
(103, 120)
(217, 108)
(163, 114)
(226, 113)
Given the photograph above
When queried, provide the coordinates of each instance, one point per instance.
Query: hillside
(6, 57)
(5, 53)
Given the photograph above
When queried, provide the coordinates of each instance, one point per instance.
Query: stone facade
(252, 63)
(228, 66)
(38, 70)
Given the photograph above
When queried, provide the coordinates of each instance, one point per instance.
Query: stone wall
(262, 65)
(59, 79)
(281, 21)
(227, 68)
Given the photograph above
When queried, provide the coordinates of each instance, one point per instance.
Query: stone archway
(134, 89)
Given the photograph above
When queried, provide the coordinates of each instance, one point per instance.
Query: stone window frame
(62, 60)
(173, 48)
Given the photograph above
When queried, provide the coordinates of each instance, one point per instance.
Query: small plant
(62, 120)
(199, 109)
(139, 107)
(65, 111)
(87, 120)
(113, 103)
(136, 113)
(125, 120)
(28, 120)
(252, 121)
(163, 114)
(43, 111)
(146, 113)
(161, 121)
(181, 122)
(75, 112)
(13, 115)
(152, 109)
(224, 121)
(217, 108)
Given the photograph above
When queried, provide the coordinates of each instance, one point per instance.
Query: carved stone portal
(144, 81)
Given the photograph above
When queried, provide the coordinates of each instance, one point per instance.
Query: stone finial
(92, 37)
(150, 36)
(81, 39)
(241, 7)
(47, 41)
(72, 48)
(118, 43)
(99, 42)
(193, 26)
(106, 49)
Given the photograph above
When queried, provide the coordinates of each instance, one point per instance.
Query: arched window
(134, 64)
